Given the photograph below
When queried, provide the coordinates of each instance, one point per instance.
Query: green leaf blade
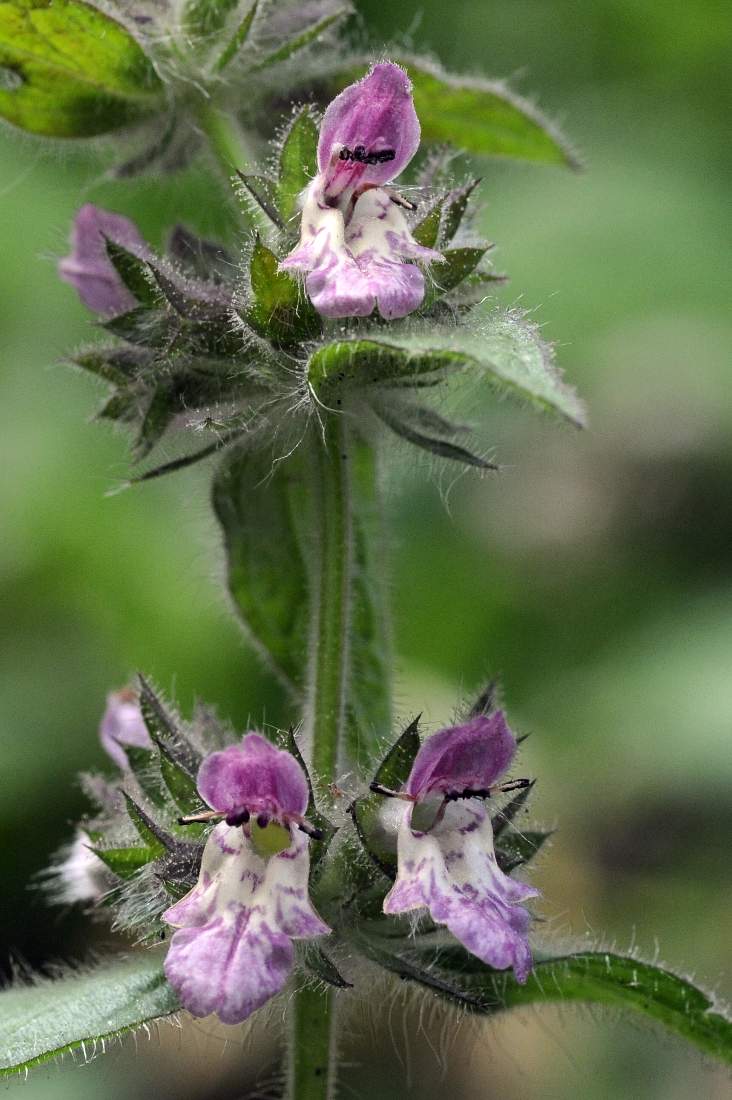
(504, 349)
(134, 273)
(605, 978)
(49, 1018)
(592, 977)
(279, 310)
(263, 191)
(370, 649)
(238, 39)
(78, 73)
(458, 264)
(255, 502)
(298, 163)
(299, 41)
(125, 862)
(391, 774)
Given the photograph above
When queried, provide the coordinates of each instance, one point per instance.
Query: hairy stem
(312, 1057)
(333, 600)
(312, 1065)
(228, 144)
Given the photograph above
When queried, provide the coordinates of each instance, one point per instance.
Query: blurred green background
(594, 574)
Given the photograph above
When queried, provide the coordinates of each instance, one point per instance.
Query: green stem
(230, 148)
(312, 1057)
(330, 667)
(225, 138)
(313, 1013)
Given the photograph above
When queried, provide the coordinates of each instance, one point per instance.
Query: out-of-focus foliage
(593, 573)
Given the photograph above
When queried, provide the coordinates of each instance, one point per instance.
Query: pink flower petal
(88, 268)
(452, 871)
(376, 115)
(467, 757)
(253, 776)
(233, 948)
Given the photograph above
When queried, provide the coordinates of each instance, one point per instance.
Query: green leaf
(424, 418)
(185, 461)
(320, 966)
(369, 698)
(503, 817)
(480, 116)
(298, 161)
(157, 841)
(299, 41)
(440, 224)
(114, 364)
(369, 362)
(394, 769)
(158, 416)
(124, 862)
(426, 232)
(453, 210)
(264, 192)
(513, 848)
(51, 1017)
(145, 766)
(144, 327)
(255, 502)
(77, 73)
(162, 727)
(391, 774)
(312, 813)
(595, 977)
(238, 39)
(205, 260)
(443, 448)
(134, 273)
(459, 264)
(279, 310)
(180, 783)
(203, 18)
(122, 406)
(504, 349)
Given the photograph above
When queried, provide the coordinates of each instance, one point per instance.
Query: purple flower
(354, 235)
(451, 867)
(122, 724)
(88, 267)
(233, 949)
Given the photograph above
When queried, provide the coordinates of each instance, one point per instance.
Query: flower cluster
(220, 843)
(233, 949)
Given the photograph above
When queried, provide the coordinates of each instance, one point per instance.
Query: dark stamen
(360, 155)
(502, 788)
(262, 820)
(239, 818)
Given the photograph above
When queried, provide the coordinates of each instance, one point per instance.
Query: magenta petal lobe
(88, 267)
(122, 724)
(467, 757)
(254, 776)
(372, 119)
